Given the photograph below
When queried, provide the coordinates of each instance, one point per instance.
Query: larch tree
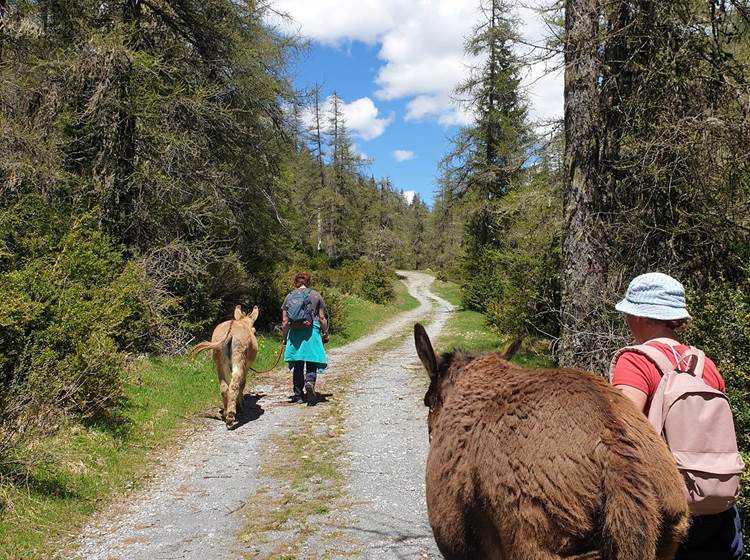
(489, 153)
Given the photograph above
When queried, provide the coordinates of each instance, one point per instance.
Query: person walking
(304, 329)
(654, 308)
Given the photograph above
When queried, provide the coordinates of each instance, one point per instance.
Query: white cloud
(337, 21)
(422, 49)
(409, 196)
(440, 107)
(360, 116)
(403, 155)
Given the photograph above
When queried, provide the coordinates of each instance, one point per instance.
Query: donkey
(234, 347)
(542, 464)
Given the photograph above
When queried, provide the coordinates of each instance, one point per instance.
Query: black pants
(301, 375)
(713, 537)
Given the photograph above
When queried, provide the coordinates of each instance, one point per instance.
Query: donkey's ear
(424, 350)
(238, 314)
(512, 349)
(254, 314)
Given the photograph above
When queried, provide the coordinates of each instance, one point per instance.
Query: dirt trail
(387, 436)
(195, 509)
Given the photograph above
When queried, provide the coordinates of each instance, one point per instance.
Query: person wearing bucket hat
(654, 309)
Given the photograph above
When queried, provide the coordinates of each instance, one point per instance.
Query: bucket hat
(656, 296)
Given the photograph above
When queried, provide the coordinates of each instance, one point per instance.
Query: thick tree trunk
(584, 267)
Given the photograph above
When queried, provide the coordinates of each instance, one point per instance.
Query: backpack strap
(663, 364)
(694, 366)
(683, 361)
(656, 356)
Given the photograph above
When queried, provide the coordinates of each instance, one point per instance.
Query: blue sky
(395, 64)
(350, 70)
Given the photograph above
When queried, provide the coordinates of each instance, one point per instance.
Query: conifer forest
(158, 166)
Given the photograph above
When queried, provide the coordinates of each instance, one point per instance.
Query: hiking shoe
(312, 398)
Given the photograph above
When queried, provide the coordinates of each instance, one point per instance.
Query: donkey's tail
(203, 346)
(631, 510)
(206, 345)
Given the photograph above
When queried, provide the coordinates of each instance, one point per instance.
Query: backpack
(696, 422)
(299, 309)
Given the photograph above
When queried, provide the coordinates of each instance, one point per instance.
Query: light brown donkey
(234, 346)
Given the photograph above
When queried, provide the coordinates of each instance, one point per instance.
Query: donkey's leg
(222, 370)
(235, 387)
(241, 391)
(249, 357)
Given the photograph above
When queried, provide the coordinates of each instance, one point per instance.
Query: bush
(362, 278)
(721, 327)
(366, 279)
(511, 267)
(70, 311)
(337, 311)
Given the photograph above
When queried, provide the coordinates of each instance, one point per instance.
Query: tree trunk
(490, 130)
(584, 267)
(319, 141)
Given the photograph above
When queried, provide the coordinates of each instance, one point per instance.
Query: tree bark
(584, 268)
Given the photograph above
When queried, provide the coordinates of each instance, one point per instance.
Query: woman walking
(654, 309)
(304, 330)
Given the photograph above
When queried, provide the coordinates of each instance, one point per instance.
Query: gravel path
(387, 436)
(194, 510)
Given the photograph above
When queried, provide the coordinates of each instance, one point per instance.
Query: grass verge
(363, 316)
(468, 332)
(81, 468)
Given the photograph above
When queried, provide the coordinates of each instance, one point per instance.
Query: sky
(395, 64)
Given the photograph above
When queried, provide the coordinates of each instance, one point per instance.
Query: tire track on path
(194, 509)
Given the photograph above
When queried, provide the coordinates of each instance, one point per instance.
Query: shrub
(511, 267)
(70, 311)
(337, 310)
(362, 278)
(366, 279)
(721, 327)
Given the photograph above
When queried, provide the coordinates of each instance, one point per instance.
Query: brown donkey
(234, 347)
(541, 464)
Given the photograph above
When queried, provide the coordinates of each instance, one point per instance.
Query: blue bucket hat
(656, 296)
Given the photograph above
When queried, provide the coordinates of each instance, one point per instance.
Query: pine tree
(419, 223)
(488, 154)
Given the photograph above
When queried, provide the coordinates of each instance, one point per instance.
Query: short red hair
(301, 278)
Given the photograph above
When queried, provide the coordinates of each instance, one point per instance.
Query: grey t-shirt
(316, 300)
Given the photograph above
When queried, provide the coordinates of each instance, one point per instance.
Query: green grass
(84, 467)
(468, 332)
(403, 301)
(448, 291)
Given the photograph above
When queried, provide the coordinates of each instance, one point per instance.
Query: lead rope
(276, 363)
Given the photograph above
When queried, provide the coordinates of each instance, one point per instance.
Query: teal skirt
(305, 345)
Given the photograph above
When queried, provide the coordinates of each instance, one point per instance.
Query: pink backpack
(696, 422)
